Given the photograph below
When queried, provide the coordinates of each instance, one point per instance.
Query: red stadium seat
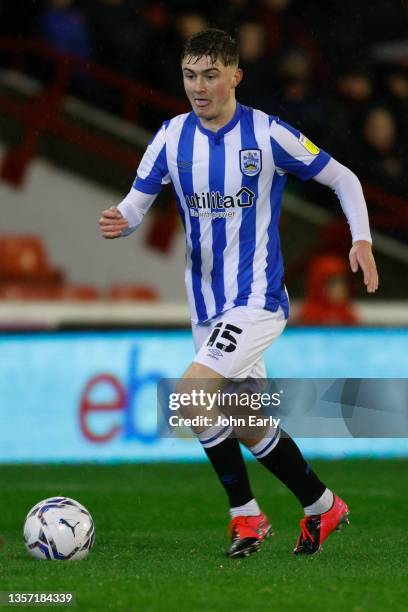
(23, 259)
(141, 293)
(82, 293)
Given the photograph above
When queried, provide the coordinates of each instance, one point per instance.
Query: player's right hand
(112, 223)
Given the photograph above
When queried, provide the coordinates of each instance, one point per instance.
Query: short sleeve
(153, 171)
(294, 153)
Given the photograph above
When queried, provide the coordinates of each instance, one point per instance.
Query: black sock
(286, 462)
(227, 460)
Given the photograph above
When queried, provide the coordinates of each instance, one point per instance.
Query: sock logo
(229, 479)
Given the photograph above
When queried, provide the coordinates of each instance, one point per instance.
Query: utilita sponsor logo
(104, 421)
(214, 200)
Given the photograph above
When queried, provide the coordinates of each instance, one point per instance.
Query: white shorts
(233, 343)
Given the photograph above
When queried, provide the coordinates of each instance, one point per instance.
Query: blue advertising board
(91, 396)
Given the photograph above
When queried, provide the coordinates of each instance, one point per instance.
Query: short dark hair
(214, 43)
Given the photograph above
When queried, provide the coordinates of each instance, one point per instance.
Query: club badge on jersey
(250, 161)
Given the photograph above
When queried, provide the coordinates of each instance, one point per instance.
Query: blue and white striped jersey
(229, 188)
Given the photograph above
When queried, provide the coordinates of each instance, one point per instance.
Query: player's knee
(261, 441)
(250, 442)
(194, 388)
(201, 372)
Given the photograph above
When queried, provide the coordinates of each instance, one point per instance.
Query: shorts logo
(250, 161)
(308, 144)
(214, 352)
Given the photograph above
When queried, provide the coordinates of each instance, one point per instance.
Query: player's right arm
(122, 220)
(152, 174)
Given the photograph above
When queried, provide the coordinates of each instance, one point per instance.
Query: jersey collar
(226, 128)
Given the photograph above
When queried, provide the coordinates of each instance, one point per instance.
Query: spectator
(121, 37)
(297, 101)
(380, 157)
(166, 73)
(284, 24)
(64, 28)
(328, 296)
(234, 12)
(257, 85)
(274, 15)
(396, 91)
(354, 94)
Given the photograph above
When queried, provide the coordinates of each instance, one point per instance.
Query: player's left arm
(348, 189)
(293, 153)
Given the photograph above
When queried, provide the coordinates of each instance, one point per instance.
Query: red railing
(42, 112)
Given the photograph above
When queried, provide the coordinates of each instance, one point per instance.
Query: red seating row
(27, 274)
(83, 293)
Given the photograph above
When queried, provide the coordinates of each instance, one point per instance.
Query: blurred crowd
(336, 70)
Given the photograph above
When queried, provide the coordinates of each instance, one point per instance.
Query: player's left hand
(361, 256)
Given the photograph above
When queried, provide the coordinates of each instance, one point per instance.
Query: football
(59, 528)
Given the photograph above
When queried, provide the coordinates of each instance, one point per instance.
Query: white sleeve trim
(151, 154)
(134, 207)
(348, 189)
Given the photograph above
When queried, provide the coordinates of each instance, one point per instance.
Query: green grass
(161, 536)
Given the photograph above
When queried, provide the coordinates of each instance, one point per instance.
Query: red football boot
(247, 534)
(316, 528)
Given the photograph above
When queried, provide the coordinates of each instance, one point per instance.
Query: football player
(228, 165)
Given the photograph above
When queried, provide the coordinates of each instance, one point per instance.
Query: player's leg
(324, 511)
(281, 456)
(222, 450)
(235, 348)
(249, 524)
(229, 348)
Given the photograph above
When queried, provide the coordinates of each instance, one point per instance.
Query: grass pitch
(161, 537)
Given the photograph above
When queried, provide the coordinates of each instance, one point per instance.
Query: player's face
(210, 88)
